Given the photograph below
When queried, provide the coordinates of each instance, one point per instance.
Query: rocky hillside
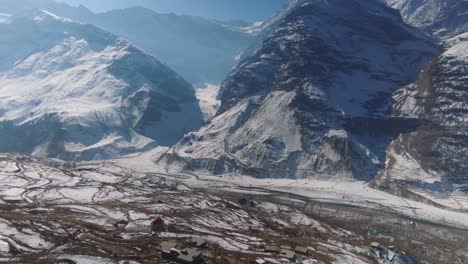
(434, 155)
(441, 18)
(312, 98)
(72, 91)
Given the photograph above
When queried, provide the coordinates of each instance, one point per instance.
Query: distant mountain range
(249, 10)
(201, 50)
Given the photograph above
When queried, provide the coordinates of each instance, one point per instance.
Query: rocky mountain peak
(323, 65)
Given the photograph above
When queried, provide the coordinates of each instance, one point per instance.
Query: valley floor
(105, 212)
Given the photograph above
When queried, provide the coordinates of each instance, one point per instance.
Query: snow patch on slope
(406, 168)
(255, 28)
(208, 98)
(4, 17)
(458, 50)
(46, 15)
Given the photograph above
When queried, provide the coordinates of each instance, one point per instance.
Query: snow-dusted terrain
(340, 137)
(426, 205)
(443, 18)
(101, 212)
(436, 153)
(291, 109)
(208, 98)
(311, 99)
(77, 92)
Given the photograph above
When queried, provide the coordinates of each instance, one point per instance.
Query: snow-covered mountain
(435, 155)
(73, 91)
(312, 97)
(437, 151)
(200, 50)
(443, 18)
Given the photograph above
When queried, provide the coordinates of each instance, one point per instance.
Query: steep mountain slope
(435, 154)
(312, 97)
(73, 91)
(443, 18)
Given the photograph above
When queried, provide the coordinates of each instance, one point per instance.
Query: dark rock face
(316, 41)
(291, 108)
(434, 155)
(440, 96)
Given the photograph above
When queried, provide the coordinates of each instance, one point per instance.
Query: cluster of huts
(184, 254)
(389, 254)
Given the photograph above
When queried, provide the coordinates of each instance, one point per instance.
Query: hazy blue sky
(253, 10)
